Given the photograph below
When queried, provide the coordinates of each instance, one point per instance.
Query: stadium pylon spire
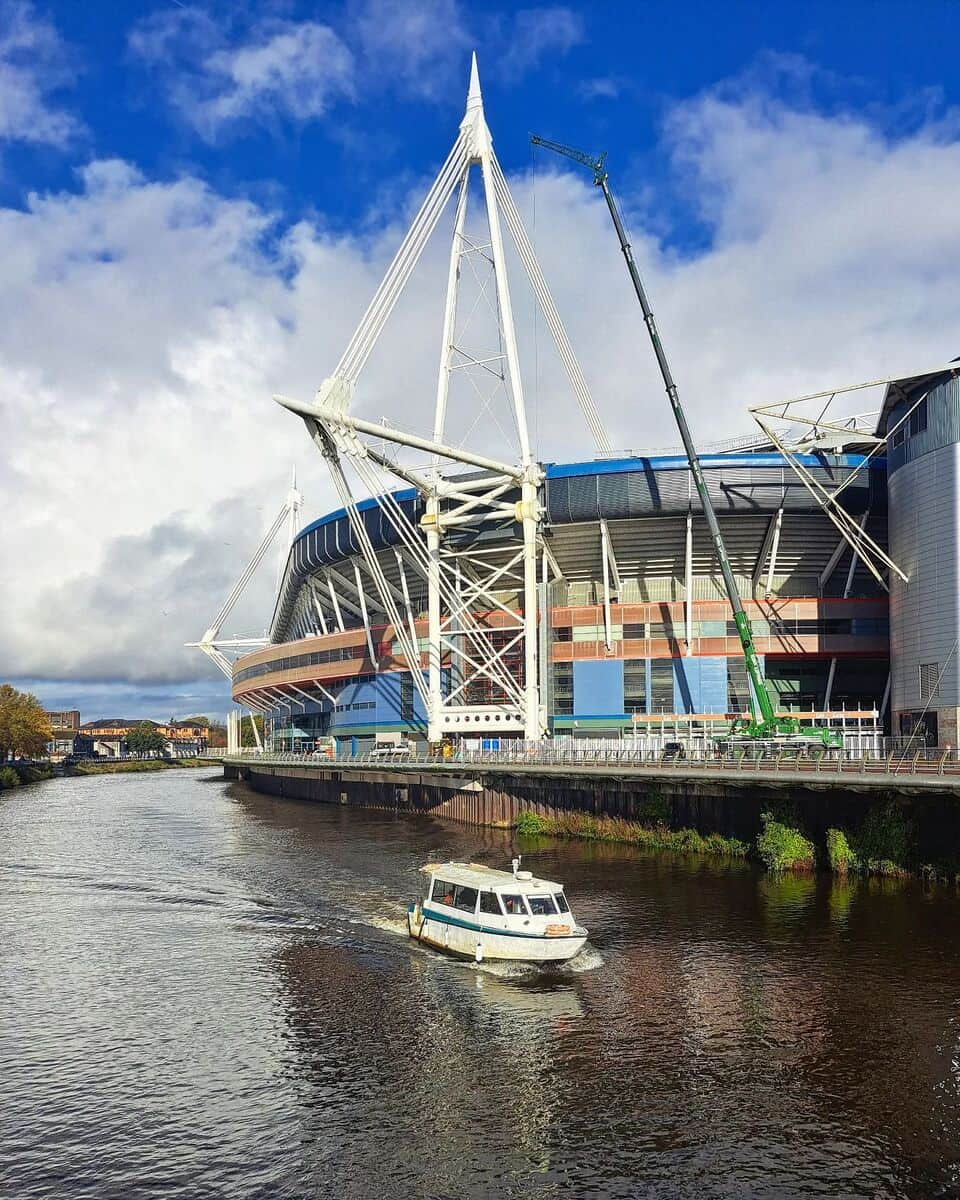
(485, 692)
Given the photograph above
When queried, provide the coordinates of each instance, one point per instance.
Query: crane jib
(765, 723)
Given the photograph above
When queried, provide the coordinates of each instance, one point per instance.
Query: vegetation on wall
(781, 847)
(615, 829)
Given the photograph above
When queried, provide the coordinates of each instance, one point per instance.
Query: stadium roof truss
(805, 425)
(470, 627)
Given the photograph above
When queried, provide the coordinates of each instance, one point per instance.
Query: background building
(923, 457)
(108, 736)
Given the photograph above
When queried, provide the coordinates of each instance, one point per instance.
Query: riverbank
(884, 846)
(134, 766)
(16, 775)
(813, 824)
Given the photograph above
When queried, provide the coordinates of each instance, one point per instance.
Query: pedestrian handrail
(744, 759)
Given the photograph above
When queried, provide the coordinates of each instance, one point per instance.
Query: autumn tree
(24, 727)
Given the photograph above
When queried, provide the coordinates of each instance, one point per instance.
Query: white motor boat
(474, 911)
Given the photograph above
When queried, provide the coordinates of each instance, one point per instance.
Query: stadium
(462, 594)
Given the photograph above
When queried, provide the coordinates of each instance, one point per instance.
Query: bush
(8, 778)
(782, 848)
(885, 842)
(529, 824)
(839, 852)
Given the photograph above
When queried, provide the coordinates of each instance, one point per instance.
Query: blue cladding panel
(598, 687)
(699, 685)
(384, 693)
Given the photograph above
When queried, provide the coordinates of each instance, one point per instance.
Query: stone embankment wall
(731, 807)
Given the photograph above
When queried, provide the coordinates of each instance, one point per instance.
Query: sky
(197, 200)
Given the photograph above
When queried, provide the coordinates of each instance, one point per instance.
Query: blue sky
(196, 200)
(599, 76)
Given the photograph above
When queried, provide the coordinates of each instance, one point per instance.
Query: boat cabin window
(489, 903)
(442, 892)
(465, 898)
(541, 906)
(513, 905)
(561, 902)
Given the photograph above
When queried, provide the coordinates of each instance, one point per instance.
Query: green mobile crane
(763, 725)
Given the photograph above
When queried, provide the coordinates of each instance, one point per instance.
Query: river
(205, 992)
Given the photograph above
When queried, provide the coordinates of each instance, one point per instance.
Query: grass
(585, 827)
(133, 766)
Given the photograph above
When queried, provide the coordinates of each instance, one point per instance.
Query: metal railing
(924, 762)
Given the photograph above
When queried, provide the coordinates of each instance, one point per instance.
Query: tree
(216, 737)
(24, 728)
(204, 721)
(246, 733)
(144, 739)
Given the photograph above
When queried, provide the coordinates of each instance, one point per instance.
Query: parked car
(672, 751)
(390, 750)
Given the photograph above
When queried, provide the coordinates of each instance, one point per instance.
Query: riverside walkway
(922, 771)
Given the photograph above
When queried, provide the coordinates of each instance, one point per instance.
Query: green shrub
(839, 852)
(529, 823)
(782, 848)
(885, 843)
(8, 778)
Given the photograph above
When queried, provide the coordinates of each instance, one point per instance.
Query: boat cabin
(482, 891)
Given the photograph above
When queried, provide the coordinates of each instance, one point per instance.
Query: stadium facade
(483, 597)
(635, 625)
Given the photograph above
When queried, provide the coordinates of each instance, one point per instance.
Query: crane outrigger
(763, 725)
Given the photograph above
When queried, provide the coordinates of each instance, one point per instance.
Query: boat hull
(463, 940)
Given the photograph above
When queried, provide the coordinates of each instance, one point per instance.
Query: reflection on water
(209, 993)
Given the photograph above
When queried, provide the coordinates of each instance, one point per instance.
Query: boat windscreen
(541, 906)
(513, 905)
(561, 902)
(489, 903)
(442, 892)
(465, 898)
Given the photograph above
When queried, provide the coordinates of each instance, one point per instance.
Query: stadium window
(929, 681)
(633, 632)
(406, 697)
(918, 418)
(661, 685)
(635, 686)
(738, 690)
(563, 689)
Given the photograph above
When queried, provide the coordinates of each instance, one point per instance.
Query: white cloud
(287, 69)
(604, 87)
(32, 65)
(538, 33)
(414, 46)
(144, 326)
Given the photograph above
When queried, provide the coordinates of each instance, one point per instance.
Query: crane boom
(764, 723)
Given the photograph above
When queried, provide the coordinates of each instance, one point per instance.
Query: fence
(924, 762)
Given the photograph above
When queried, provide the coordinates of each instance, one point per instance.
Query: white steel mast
(469, 626)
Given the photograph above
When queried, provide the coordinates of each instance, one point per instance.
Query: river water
(208, 993)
